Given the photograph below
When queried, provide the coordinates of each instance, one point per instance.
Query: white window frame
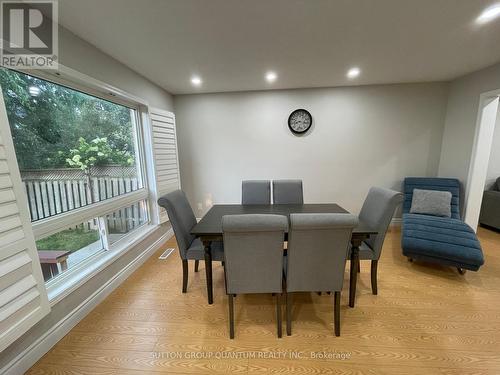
(64, 283)
(67, 281)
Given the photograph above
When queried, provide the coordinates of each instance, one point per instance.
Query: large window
(73, 149)
(80, 163)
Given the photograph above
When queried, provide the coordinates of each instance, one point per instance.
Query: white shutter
(23, 297)
(165, 157)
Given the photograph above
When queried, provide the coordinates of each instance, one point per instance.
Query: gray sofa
(490, 208)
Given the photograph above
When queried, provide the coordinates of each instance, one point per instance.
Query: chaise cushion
(437, 238)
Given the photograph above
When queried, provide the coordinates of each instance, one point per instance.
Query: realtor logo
(29, 34)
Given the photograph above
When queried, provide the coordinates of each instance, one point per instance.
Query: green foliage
(69, 240)
(97, 152)
(48, 122)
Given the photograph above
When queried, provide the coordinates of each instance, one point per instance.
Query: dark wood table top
(211, 223)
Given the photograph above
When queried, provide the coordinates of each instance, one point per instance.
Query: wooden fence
(52, 192)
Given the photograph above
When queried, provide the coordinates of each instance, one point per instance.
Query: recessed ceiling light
(489, 14)
(34, 90)
(353, 72)
(271, 77)
(196, 81)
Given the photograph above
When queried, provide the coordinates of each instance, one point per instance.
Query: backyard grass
(69, 240)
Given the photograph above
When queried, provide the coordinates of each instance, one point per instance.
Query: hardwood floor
(426, 319)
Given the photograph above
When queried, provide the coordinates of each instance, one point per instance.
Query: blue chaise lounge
(444, 240)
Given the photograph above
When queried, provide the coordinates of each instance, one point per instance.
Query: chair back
(377, 211)
(318, 245)
(182, 218)
(253, 252)
(432, 183)
(256, 192)
(288, 192)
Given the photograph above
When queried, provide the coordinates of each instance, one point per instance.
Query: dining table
(209, 229)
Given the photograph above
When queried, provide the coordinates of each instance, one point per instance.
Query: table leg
(354, 270)
(208, 271)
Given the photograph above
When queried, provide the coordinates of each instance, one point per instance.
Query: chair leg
(461, 271)
(278, 314)
(289, 314)
(359, 266)
(374, 276)
(336, 310)
(196, 264)
(231, 316)
(185, 271)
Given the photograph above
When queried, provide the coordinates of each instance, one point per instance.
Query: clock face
(299, 121)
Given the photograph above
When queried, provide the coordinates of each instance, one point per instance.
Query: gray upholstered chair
(377, 211)
(318, 245)
(287, 192)
(253, 252)
(256, 192)
(183, 220)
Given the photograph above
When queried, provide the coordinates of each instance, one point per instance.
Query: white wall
(79, 55)
(362, 136)
(494, 164)
(461, 117)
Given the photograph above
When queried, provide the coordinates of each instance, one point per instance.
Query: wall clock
(299, 121)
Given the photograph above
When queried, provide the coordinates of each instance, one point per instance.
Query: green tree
(93, 153)
(48, 120)
(97, 152)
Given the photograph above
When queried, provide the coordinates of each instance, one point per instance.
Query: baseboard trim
(396, 222)
(28, 357)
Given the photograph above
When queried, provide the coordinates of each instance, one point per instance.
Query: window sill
(69, 281)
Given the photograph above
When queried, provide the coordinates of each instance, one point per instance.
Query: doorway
(487, 119)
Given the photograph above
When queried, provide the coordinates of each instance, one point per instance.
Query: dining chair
(256, 192)
(377, 211)
(287, 192)
(253, 253)
(183, 220)
(318, 245)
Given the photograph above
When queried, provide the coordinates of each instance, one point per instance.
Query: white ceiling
(230, 44)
